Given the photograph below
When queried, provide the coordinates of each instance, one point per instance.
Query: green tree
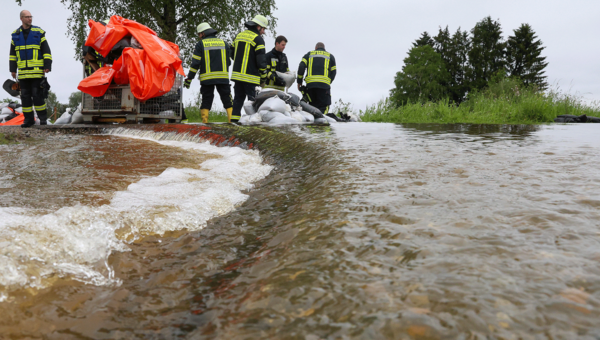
(425, 39)
(52, 103)
(458, 66)
(487, 53)
(74, 100)
(523, 57)
(173, 20)
(421, 77)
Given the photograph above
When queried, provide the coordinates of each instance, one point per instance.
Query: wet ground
(359, 230)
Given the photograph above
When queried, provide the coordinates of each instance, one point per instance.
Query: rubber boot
(204, 115)
(229, 112)
(29, 119)
(43, 116)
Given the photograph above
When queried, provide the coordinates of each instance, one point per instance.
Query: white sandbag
(330, 120)
(5, 111)
(297, 116)
(255, 118)
(77, 117)
(19, 109)
(307, 116)
(248, 108)
(3, 105)
(282, 121)
(288, 78)
(244, 119)
(267, 116)
(273, 104)
(64, 119)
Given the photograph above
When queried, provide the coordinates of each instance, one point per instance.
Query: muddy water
(360, 231)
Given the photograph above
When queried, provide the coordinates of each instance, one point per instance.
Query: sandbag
(273, 104)
(307, 117)
(311, 109)
(269, 93)
(64, 119)
(282, 120)
(267, 115)
(288, 78)
(77, 117)
(249, 108)
(298, 116)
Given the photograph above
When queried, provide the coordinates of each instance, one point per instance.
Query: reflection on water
(365, 231)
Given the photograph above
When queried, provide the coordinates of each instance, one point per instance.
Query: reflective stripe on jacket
(320, 67)
(30, 56)
(211, 58)
(249, 64)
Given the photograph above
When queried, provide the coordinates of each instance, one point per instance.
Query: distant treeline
(453, 65)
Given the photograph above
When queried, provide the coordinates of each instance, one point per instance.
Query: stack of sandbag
(277, 107)
(70, 118)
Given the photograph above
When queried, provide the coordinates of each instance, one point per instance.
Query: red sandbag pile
(149, 71)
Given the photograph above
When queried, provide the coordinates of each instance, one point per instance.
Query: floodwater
(354, 231)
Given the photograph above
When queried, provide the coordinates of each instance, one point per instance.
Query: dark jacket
(320, 68)
(211, 58)
(248, 53)
(276, 61)
(29, 53)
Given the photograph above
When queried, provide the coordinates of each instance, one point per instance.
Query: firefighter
(211, 57)
(320, 67)
(31, 59)
(277, 61)
(249, 63)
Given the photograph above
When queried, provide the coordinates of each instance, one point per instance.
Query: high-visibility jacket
(320, 67)
(30, 56)
(276, 61)
(249, 64)
(211, 58)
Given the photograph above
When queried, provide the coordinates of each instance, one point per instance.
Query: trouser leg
(225, 94)
(27, 102)
(320, 98)
(241, 91)
(208, 95)
(39, 102)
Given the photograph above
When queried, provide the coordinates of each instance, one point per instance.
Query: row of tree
(173, 20)
(452, 65)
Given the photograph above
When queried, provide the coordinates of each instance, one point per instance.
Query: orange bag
(150, 72)
(18, 120)
(97, 84)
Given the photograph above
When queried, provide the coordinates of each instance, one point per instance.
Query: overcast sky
(370, 39)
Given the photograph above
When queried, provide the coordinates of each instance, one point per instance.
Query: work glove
(187, 83)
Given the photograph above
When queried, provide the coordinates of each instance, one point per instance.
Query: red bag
(150, 72)
(97, 84)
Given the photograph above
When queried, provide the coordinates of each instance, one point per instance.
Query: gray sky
(370, 39)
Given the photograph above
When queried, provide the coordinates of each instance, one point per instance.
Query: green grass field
(502, 103)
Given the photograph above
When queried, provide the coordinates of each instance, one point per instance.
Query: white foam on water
(75, 242)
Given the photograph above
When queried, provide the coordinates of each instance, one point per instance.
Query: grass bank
(193, 115)
(502, 103)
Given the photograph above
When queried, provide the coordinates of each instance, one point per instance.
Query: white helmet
(260, 20)
(202, 27)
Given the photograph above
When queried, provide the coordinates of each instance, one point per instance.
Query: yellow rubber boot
(204, 115)
(229, 111)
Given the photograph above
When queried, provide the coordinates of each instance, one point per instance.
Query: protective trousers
(241, 91)
(32, 97)
(319, 98)
(208, 95)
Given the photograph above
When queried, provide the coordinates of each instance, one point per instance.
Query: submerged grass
(501, 104)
